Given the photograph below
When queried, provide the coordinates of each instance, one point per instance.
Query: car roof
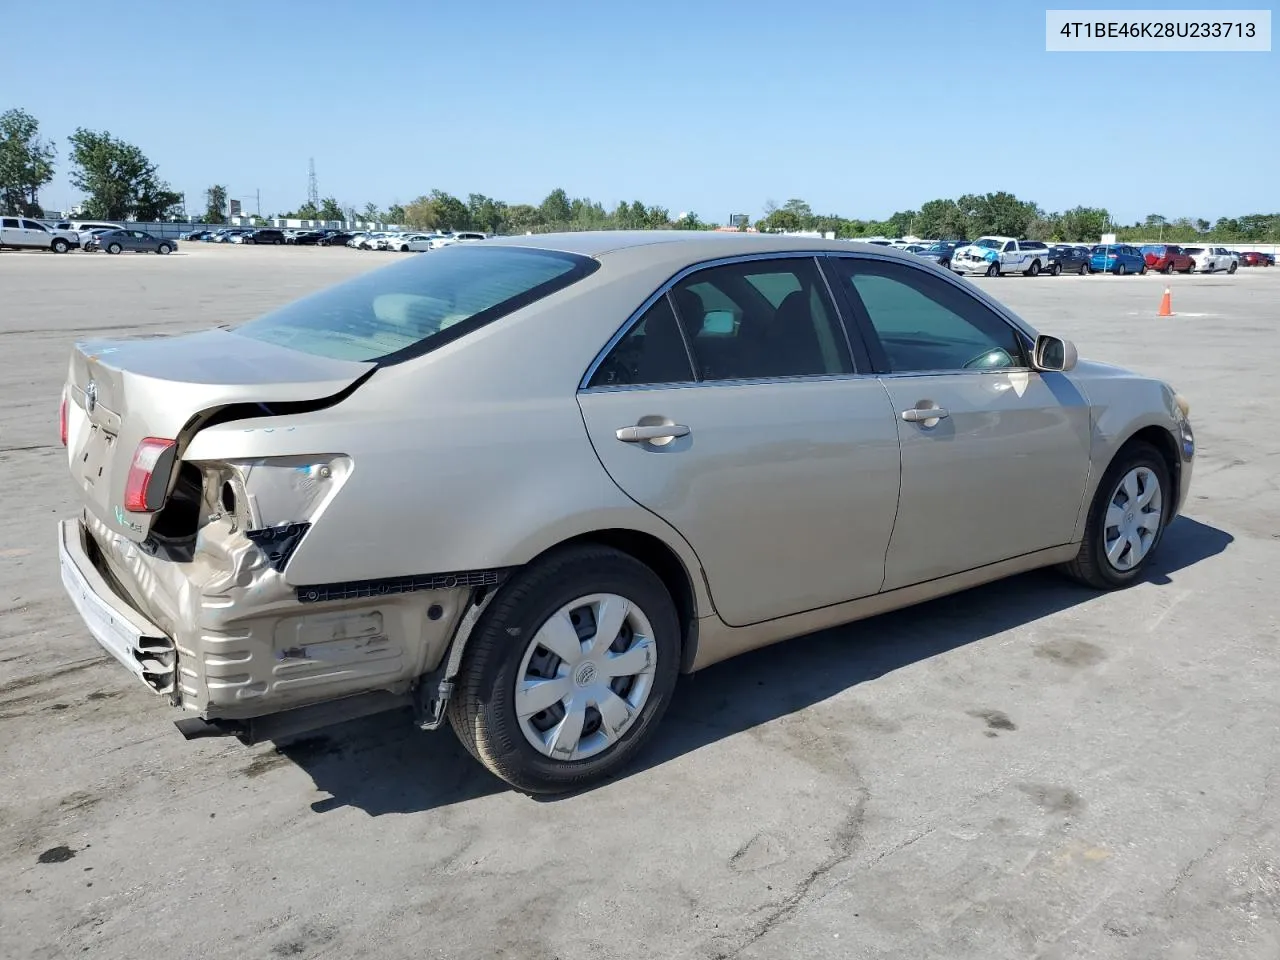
(681, 247)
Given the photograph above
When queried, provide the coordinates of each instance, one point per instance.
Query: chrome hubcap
(1133, 519)
(585, 676)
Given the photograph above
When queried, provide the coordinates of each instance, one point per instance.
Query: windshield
(988, 243)
(407, 309)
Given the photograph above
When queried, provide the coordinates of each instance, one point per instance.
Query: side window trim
(880, 359)
(664, 290)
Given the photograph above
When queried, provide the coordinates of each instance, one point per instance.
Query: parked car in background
(84, 228)
(25, 233)
(941, 252)
(90, 243)
(305, 238)
(137, 241)
(1252, 258)
(1211, 259)
(462, 236)
(567, 559)
(412, 243)
(335, 238)
(1166, 258)
(1069, 258)
(267, 236)
(195, 235)
(994, 256)
(1117, 258)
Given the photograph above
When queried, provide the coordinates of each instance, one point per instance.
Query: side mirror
(1053, 354)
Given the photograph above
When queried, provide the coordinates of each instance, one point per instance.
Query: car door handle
(920, 414)
(657, 431)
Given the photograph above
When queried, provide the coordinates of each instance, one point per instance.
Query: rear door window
(651, 352)
(761, 319)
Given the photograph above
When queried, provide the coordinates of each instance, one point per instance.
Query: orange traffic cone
(1166, 304)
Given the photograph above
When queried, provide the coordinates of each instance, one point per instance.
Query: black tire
(1055, 270)
(1168, 268)
(60, 246)
(945, 264)
(482, 708)
(114, 249)
(1232, 268)
(164, 249)
(277, 242)
(993, 270)
(1142, 271)
(1091, 566)
(1085, 269)
(1120, 270)
(1034, 269)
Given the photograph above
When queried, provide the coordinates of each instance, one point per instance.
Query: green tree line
(120, 183)
(1003, 214)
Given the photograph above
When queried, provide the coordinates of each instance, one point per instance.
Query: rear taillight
(62, 419)
(153, 456)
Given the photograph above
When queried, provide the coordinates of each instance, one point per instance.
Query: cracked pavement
(1028, 769)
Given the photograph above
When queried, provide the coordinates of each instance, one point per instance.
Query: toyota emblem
(91, 397)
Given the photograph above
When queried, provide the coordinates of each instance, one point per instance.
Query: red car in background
(1252, 258)
(1166, 258)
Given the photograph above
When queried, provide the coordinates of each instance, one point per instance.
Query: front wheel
(1126, 519)
(993, 270)
(569, 671)
(60, 246)
(1168, 268)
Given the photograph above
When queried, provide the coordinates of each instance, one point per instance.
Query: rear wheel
(163, 249)
(1126, 519)
(569, 671)
(1142, 270)
(1085, 269)
(114, 248)
(1232, 268)
(1034, 269)
(1055, 270)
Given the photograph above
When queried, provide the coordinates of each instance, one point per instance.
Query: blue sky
(860, 108)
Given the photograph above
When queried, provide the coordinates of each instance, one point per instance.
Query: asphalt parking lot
(1028, 769)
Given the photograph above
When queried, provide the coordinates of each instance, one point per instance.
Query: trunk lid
(122, 391)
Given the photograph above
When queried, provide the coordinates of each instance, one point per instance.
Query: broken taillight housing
(139, 495)
(62, 419)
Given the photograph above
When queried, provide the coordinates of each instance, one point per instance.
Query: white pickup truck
(28, 233)
(993, 256)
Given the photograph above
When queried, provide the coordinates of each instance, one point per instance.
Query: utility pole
(313, 192)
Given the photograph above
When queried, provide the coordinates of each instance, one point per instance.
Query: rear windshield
(1194, 250)
(405, 310)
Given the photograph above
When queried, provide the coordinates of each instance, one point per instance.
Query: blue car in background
(1117, 258)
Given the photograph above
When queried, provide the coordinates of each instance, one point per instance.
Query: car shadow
(384, 764)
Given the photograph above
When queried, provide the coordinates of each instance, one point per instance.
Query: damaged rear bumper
(230, 641)
(141, 646)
